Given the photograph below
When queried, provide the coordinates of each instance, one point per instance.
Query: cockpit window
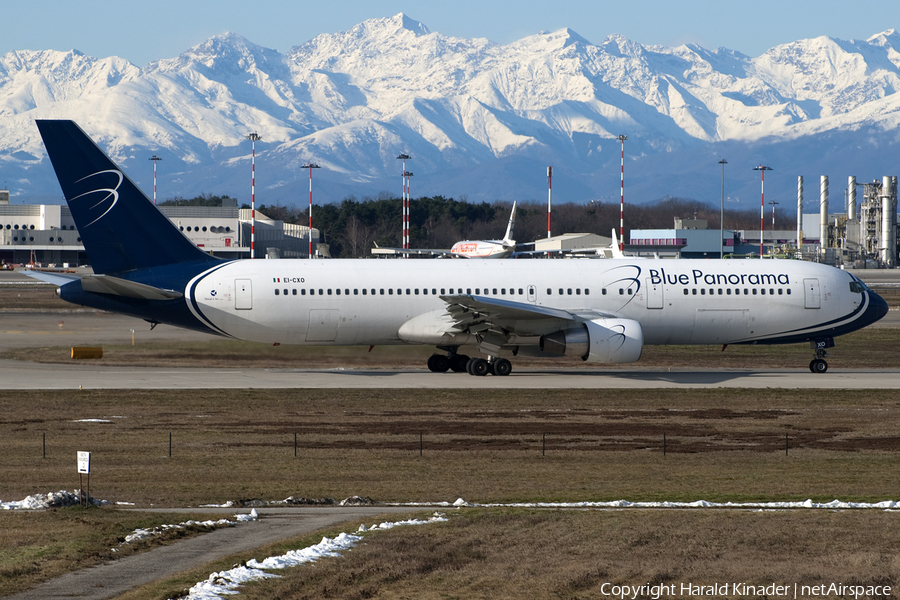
(857, 287)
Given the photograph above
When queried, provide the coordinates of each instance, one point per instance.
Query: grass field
(507, 447)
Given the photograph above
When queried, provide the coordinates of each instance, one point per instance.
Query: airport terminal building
(45, 234)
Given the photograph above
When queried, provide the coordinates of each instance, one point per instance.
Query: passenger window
(390, 291)
(694, 291)
(577, 291)
(754, 291)
(478, 290)
(521, 293)
(329, 291)
(549, 292)
(780, 292)
(407, 292)
(789, 291)
(569, 291)
(443, 293)
(276, 292)
(702, 291)
(685, 291)
(469, 291)
(364, 291)
(285, 292)
(337, 291)
(303, 292)
(604, 292)
(763, 291)
(356, 292)
(561, 291)
(587, 292)
(294, 292)
(621, 292)
(417, 291)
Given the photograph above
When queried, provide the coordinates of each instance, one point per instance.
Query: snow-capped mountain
(479, 119)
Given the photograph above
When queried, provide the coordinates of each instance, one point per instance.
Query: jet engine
(609, 341)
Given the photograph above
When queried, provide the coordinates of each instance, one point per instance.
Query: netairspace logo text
(735, 589)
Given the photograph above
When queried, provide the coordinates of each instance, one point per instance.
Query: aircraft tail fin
(510, 229)
(120, 227)
(614, 247)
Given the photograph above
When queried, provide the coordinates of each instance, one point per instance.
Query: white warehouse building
(45, 234)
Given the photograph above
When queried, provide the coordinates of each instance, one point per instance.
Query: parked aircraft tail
(510, 229)
(120, 227)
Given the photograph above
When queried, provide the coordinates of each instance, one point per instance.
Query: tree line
(352, 227)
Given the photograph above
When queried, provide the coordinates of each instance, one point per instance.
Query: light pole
(549, 190)
(310, 166)
(773, 203)
(622, 139)
(407, 174)
(762, 204)
(722, 162)
(155, 159)
(253, 137)
(404, 224)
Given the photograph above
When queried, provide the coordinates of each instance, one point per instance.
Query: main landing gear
(438, 363)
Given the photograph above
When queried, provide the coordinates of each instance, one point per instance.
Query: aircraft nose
(878, 307)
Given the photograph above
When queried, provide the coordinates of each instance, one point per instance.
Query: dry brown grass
(527, 554)
(721, 445)
(39, 545)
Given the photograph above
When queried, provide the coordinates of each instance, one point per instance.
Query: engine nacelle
(610, 341)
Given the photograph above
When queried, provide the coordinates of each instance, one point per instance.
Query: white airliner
(602, 311)
(504, 248)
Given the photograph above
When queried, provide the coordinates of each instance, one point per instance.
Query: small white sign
(84, 462)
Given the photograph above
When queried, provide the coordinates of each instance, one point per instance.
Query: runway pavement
(33, 376)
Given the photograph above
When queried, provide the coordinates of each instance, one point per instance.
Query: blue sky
(147, 31)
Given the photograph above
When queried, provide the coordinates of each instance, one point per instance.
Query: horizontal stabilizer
(114, 286)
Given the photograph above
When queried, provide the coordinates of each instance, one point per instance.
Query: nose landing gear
(818, 364)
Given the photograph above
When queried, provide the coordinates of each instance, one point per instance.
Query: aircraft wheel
(458, 363)
(502, 367)
(818, 365)
(438, 363)
(479, 367)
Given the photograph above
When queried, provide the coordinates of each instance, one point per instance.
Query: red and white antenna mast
(253, 137)
(762, 203)
(549, 191)
(404, 200)
(155, 159)
(310, 166)
(622, 139)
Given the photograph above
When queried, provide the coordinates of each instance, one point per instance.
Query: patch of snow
(141, 534)
(225, 583)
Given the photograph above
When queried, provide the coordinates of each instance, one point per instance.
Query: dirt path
(275, 524)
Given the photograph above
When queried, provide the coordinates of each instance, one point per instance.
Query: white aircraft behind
(504, 248)
(602, 311)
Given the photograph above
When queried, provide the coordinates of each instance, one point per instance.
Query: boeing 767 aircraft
(602, 311)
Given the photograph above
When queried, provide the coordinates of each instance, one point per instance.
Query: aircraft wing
(115, 286)
(494, 322)
(54, 278)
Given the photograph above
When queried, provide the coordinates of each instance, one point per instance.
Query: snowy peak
(398, 27)
(353, 100)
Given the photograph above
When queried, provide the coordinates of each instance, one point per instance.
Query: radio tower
(155, 159)
(253, 137)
